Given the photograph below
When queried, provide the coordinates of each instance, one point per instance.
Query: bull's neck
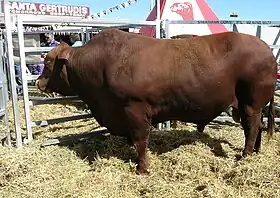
(86, 68)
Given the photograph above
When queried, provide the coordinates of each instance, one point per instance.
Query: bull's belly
(202, 115)
(111, 114)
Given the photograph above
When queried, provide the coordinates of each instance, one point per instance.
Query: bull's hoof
(246, 153)
(238, 157)
(142, 172)
(243, 155)
(256, 150)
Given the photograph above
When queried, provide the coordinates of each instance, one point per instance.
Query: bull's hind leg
(257, 146)
(139, 125)
(251, 123)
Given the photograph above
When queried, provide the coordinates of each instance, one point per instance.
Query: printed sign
(47, 9)
(225, 22)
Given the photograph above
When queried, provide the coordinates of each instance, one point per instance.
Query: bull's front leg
(141, 146)
(139, 126)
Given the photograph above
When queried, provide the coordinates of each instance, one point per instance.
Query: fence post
(11, 70)
(24, 79)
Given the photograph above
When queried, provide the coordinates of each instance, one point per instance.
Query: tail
(271, 121)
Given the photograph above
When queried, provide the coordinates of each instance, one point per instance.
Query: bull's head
(54, 77)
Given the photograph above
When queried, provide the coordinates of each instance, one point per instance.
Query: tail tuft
(271, 117)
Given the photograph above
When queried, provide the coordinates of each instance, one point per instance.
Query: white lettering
(23, 6)
(84, 10)
(33, 7)
(47, 9)
(70, 9)
(76, 10)
(53, 8)
(42, 7)
(14, 6)
(64, 9)
(59, 7)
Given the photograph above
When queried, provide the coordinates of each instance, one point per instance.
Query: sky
(247, 9)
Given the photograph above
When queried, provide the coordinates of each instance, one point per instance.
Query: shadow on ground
(105, 146)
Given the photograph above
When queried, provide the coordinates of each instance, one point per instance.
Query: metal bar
(122, 26)
(225, 22)
(8, 24)
(59, 120)
(234, 28)
(30, 20)
(32, 77)
(5, 94)
(48, 31)
(274, 46)
(93, 30)
(24, 80)
(229, 119)
(157, 19)
(76, 137)
(38, 49)
(88, 32)
(276, 38)
(157, 3)
(259, 30)
(277, 54)
(2, 112)
(82, 32)
(168, 125)
(167, 33)
(40, 101)
(112, 25)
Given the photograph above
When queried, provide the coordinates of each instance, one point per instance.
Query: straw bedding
(182, 163)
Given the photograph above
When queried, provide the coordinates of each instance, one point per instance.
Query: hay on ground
(182, 163)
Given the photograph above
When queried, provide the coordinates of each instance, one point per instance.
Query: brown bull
(131, 82)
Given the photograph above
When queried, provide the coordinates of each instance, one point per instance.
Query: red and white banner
(47, 9)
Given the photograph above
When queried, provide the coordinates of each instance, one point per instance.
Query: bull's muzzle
(41, 84)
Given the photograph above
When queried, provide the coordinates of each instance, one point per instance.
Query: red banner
(47, 9)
